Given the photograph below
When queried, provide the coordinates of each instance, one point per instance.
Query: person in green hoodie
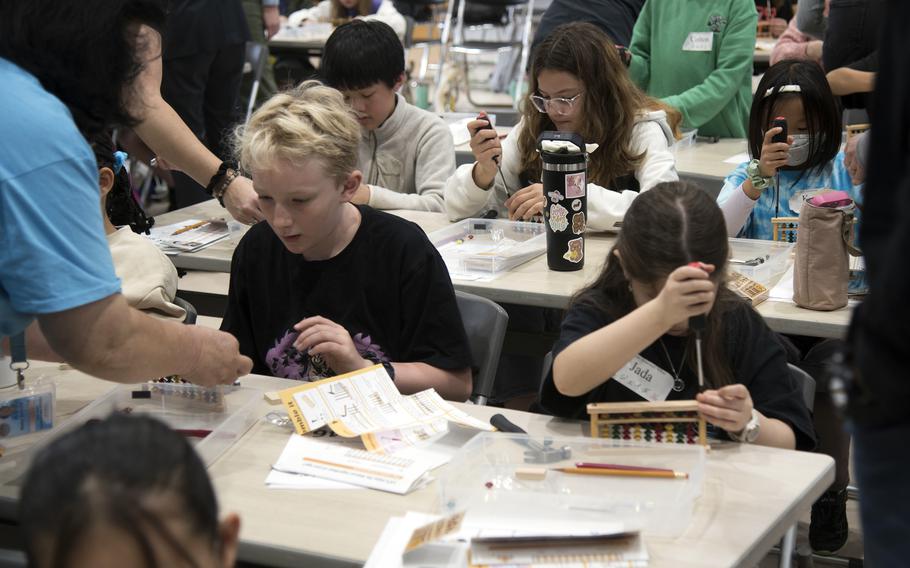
(696, 55)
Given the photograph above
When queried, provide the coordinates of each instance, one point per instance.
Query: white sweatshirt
(407, 160)
(606, 208)
(322, 12)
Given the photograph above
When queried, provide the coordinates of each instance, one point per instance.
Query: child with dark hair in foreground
(125, 491)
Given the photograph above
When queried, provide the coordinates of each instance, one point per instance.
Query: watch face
(751, 433)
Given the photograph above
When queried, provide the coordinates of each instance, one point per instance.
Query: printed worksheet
(366, 403)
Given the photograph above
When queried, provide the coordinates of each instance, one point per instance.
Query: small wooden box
(670, 422)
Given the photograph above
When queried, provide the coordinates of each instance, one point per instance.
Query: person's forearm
(416, 377)
(169, 137)
(596, 357)
(846, 81)
(110, 340)
(775, 433)
(162, 129)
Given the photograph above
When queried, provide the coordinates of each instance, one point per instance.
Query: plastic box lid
(488, 246)
(481, 479)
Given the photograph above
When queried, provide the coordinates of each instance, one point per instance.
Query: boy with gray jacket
(406, 154)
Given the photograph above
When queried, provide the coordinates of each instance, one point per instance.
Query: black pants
(203, 89)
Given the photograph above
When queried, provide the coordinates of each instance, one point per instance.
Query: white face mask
(799, 150)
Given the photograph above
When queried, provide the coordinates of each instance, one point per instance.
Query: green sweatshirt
(712, 89)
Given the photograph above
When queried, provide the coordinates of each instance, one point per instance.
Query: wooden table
(751, 495)
(531, 284)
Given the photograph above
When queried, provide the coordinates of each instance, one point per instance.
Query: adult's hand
(242, 201)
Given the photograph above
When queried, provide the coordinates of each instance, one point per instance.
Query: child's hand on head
(688, 292)
(773, 154)
(526, 203)
(322, 336)
(728, 407)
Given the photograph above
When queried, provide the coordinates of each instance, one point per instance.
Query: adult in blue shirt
(65, 67)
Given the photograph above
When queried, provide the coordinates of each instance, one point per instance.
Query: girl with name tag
(626, 337)
(577, 84)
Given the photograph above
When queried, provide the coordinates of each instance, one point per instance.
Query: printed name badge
(645, 379)
(699, 41)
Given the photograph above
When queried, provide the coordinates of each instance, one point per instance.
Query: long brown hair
(611, 101)
(671, 225)
(339, 12)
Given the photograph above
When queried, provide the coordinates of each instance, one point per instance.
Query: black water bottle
(564, 178)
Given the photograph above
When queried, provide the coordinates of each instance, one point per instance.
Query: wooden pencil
(624, 472)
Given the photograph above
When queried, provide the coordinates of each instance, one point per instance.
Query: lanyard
(18, 360)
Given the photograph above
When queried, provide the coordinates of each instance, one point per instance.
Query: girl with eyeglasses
(579, 84)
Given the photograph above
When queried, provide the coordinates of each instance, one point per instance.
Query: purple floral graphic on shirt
(284, 360)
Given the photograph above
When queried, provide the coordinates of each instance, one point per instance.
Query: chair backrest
(191, 313)
(485, 325)
(806, 384)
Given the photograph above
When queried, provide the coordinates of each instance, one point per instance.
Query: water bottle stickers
(578, 223)
(575, 185)
(555, 196)
(559, 218)
(576, 205)
(576, 250)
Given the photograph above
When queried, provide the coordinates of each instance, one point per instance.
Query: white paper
(368, 404)
(388, 551)
(283, 480)
(189, 237)
(737, 158)
(399, 473)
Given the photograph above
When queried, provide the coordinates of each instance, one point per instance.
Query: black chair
(485, 325)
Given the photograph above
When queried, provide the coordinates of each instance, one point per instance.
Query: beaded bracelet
(221, 180)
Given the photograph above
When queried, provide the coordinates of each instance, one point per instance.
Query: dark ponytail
(669, 226)
(121, 206)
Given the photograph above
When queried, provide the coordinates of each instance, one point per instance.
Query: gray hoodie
(407, 160)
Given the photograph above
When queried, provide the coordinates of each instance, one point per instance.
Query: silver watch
(750, 433)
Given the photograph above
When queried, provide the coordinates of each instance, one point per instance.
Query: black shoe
(828, 528)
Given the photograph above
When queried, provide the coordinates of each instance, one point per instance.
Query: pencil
(182, 230)
(618, 466)
(624, 472)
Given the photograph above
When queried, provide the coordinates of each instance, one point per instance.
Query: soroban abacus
(671, 422)
(191, 397)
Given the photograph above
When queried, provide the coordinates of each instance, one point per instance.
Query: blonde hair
(308, 122)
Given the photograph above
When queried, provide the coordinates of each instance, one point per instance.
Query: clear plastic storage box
(762, 261)
(488, 246)
(483, 479)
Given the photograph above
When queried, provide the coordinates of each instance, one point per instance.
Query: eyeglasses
(557, 105)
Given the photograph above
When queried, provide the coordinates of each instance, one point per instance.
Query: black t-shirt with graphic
(756, 357)
(389, 288)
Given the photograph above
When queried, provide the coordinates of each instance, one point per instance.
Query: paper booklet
(189, 236)
(426, 541)
(366, 403)
(401, 472)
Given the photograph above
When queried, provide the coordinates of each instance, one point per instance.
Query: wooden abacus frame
(647, 415)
